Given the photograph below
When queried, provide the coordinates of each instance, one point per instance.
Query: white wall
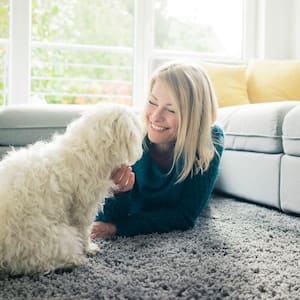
(295, 52)
(278, 29)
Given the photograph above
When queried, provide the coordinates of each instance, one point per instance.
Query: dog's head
(112, 132)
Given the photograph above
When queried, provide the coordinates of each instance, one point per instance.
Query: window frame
(144, 53)
(19, 52)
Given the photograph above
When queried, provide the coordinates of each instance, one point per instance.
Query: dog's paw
(92, 249)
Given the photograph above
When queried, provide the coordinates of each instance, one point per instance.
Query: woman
(171, 184)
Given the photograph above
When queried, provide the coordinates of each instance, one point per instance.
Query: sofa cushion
(289, 184)
(273, 80)
(254, 127)
(251, 176)
(24, 124)
(291, 132)
(229, 82)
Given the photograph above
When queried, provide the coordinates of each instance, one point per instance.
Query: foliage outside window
(82, 51)
(4, 32)
(214, 27)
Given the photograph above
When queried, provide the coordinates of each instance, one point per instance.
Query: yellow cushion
(273, 80)
(229, 82)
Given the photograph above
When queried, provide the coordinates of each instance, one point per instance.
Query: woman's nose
(157, 114)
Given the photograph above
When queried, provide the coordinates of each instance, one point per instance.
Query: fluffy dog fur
(50, 192)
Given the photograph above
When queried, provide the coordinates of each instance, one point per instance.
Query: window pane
(82, 50)
(205, 26)
(4, 23)
(4, 33)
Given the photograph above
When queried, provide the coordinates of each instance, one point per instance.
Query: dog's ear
(128, 129)
(111, 131)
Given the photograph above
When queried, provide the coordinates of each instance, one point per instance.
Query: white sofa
(261, 161)
(260, 113)
(21, 125)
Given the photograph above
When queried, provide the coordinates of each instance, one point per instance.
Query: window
(82, 51)
(75, 51)
(4, 33)
(199, 28)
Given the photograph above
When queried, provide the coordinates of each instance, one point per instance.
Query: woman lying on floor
(171, 184)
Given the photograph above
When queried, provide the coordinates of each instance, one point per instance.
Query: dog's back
(49, 192)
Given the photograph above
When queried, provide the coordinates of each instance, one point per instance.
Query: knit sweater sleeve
(114, 208)
(182, 216)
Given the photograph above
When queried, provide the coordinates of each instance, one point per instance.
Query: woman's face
(161, 117)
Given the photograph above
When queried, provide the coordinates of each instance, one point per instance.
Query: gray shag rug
(237, 250)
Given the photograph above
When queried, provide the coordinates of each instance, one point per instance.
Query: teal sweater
(156, 203)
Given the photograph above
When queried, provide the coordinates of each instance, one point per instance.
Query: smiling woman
(171, 184)
(161, 120)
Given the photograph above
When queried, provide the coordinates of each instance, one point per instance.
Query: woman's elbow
(188, 223)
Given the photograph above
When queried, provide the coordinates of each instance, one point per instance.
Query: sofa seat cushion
(291, 132)
(24, 124)
(254, 127)
(289, 184)
(251, 176)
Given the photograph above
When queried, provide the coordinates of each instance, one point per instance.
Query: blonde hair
(196, 109)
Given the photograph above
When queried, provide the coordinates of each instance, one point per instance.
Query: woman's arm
(114, 208)
(117, 206)
(195, 195)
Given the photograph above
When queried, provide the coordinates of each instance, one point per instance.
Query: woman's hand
(102, 230)
(123, 178)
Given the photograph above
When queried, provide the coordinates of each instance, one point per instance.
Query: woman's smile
(161, 119)
(158, 128)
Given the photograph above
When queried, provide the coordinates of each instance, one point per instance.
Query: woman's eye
(152, 103)
(171, 111)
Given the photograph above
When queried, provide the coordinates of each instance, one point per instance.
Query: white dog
(50, 192)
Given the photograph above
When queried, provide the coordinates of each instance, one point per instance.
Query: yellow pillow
(229, 82)
(273, 80)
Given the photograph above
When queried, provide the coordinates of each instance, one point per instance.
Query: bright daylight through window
(82, 50)
(211, 27)
(89, 51)
(4, 32)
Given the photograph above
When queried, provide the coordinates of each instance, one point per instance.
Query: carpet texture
(237, 250)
